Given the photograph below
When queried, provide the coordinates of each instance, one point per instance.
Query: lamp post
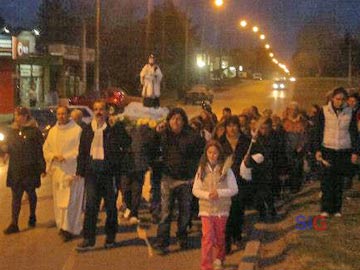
(97, 48)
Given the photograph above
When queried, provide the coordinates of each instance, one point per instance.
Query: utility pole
(150, 5)
(186, 56)
(350, 62)
(83, 57)
(97, 48)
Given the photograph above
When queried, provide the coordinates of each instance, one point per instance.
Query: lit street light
(243, 23)
(36, 32)
(271, 55)
(219, 3)
(267, 46)
(262, 36)
(275, 61)
(255, 29)
(6, 30)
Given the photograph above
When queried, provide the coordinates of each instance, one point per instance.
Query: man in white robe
(150, 78)
(60, 151)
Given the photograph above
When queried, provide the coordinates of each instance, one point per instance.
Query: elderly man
(100, 158)
(150, 78)
(337, 146)
(60, 151)
(77, 116)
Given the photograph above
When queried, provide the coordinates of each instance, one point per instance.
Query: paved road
(41, 248)
(246, 94)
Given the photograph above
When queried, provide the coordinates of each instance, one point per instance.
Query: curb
(251, 256)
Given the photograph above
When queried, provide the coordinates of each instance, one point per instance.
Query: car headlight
(2, 137)
(275, 86)
(282, 86)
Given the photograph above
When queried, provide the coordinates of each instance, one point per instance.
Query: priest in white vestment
(60, 151)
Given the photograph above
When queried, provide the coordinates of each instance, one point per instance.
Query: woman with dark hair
(236, 144)
(26, 164)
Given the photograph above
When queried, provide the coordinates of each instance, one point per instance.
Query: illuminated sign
(5, 46)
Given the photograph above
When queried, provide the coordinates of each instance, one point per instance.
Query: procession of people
(219, 168)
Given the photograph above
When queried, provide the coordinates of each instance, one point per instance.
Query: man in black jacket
(181, 149)
(100, 157)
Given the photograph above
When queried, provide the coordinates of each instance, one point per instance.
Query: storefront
(6, 75)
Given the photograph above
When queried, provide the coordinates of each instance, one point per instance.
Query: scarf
(97, 144)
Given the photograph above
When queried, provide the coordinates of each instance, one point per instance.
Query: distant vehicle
(115, 99)
(257, 76)
(46, 118)
(199, 93)
(279, 85)
(86, 111)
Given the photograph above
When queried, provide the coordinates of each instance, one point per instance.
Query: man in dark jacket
(100, 156)
(26, 164)
(180, 149)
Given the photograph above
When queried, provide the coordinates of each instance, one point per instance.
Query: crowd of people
(202, 166)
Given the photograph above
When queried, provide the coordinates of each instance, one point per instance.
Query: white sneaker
(127, 213)
(218, 265)
(134, 221)
(324, 214)
(337, 214)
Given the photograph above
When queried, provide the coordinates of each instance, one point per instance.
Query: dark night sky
(281, 19)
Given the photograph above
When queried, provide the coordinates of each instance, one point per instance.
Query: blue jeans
(183, 194)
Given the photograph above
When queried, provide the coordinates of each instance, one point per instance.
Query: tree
(2, 21)
(123, 53)
(56, 24)
(318, 49)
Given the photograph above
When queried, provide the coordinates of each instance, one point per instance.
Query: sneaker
(109, 242)
(134, 221)
(11, 229)
(324, 214)
(161, 250)
(86, 245)
(218, 265)
(32, 221)
(338, 215)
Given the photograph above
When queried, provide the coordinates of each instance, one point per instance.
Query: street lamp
(243, 23)
(219, 3)
(262, 36)
(255, 29)
(36, 32)
(6, 30)
(275, 61)
(271, 55)
(267, 46)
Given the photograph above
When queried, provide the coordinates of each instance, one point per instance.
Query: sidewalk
(42, 249)
(286, 248)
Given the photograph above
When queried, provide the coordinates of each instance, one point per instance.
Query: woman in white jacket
(214, 185)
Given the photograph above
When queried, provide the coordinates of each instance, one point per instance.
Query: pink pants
(213, 237)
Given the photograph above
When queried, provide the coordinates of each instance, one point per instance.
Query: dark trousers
(132, 186)
(17, 194)
(263, 197)
(155, 207)
(235, 221)
(98, 186)
(183, 194)
(333, 179)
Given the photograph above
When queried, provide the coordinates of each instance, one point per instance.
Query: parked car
(86, 111)
(46, 118)
(257, 76)
(115, 99)
(199, 93)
